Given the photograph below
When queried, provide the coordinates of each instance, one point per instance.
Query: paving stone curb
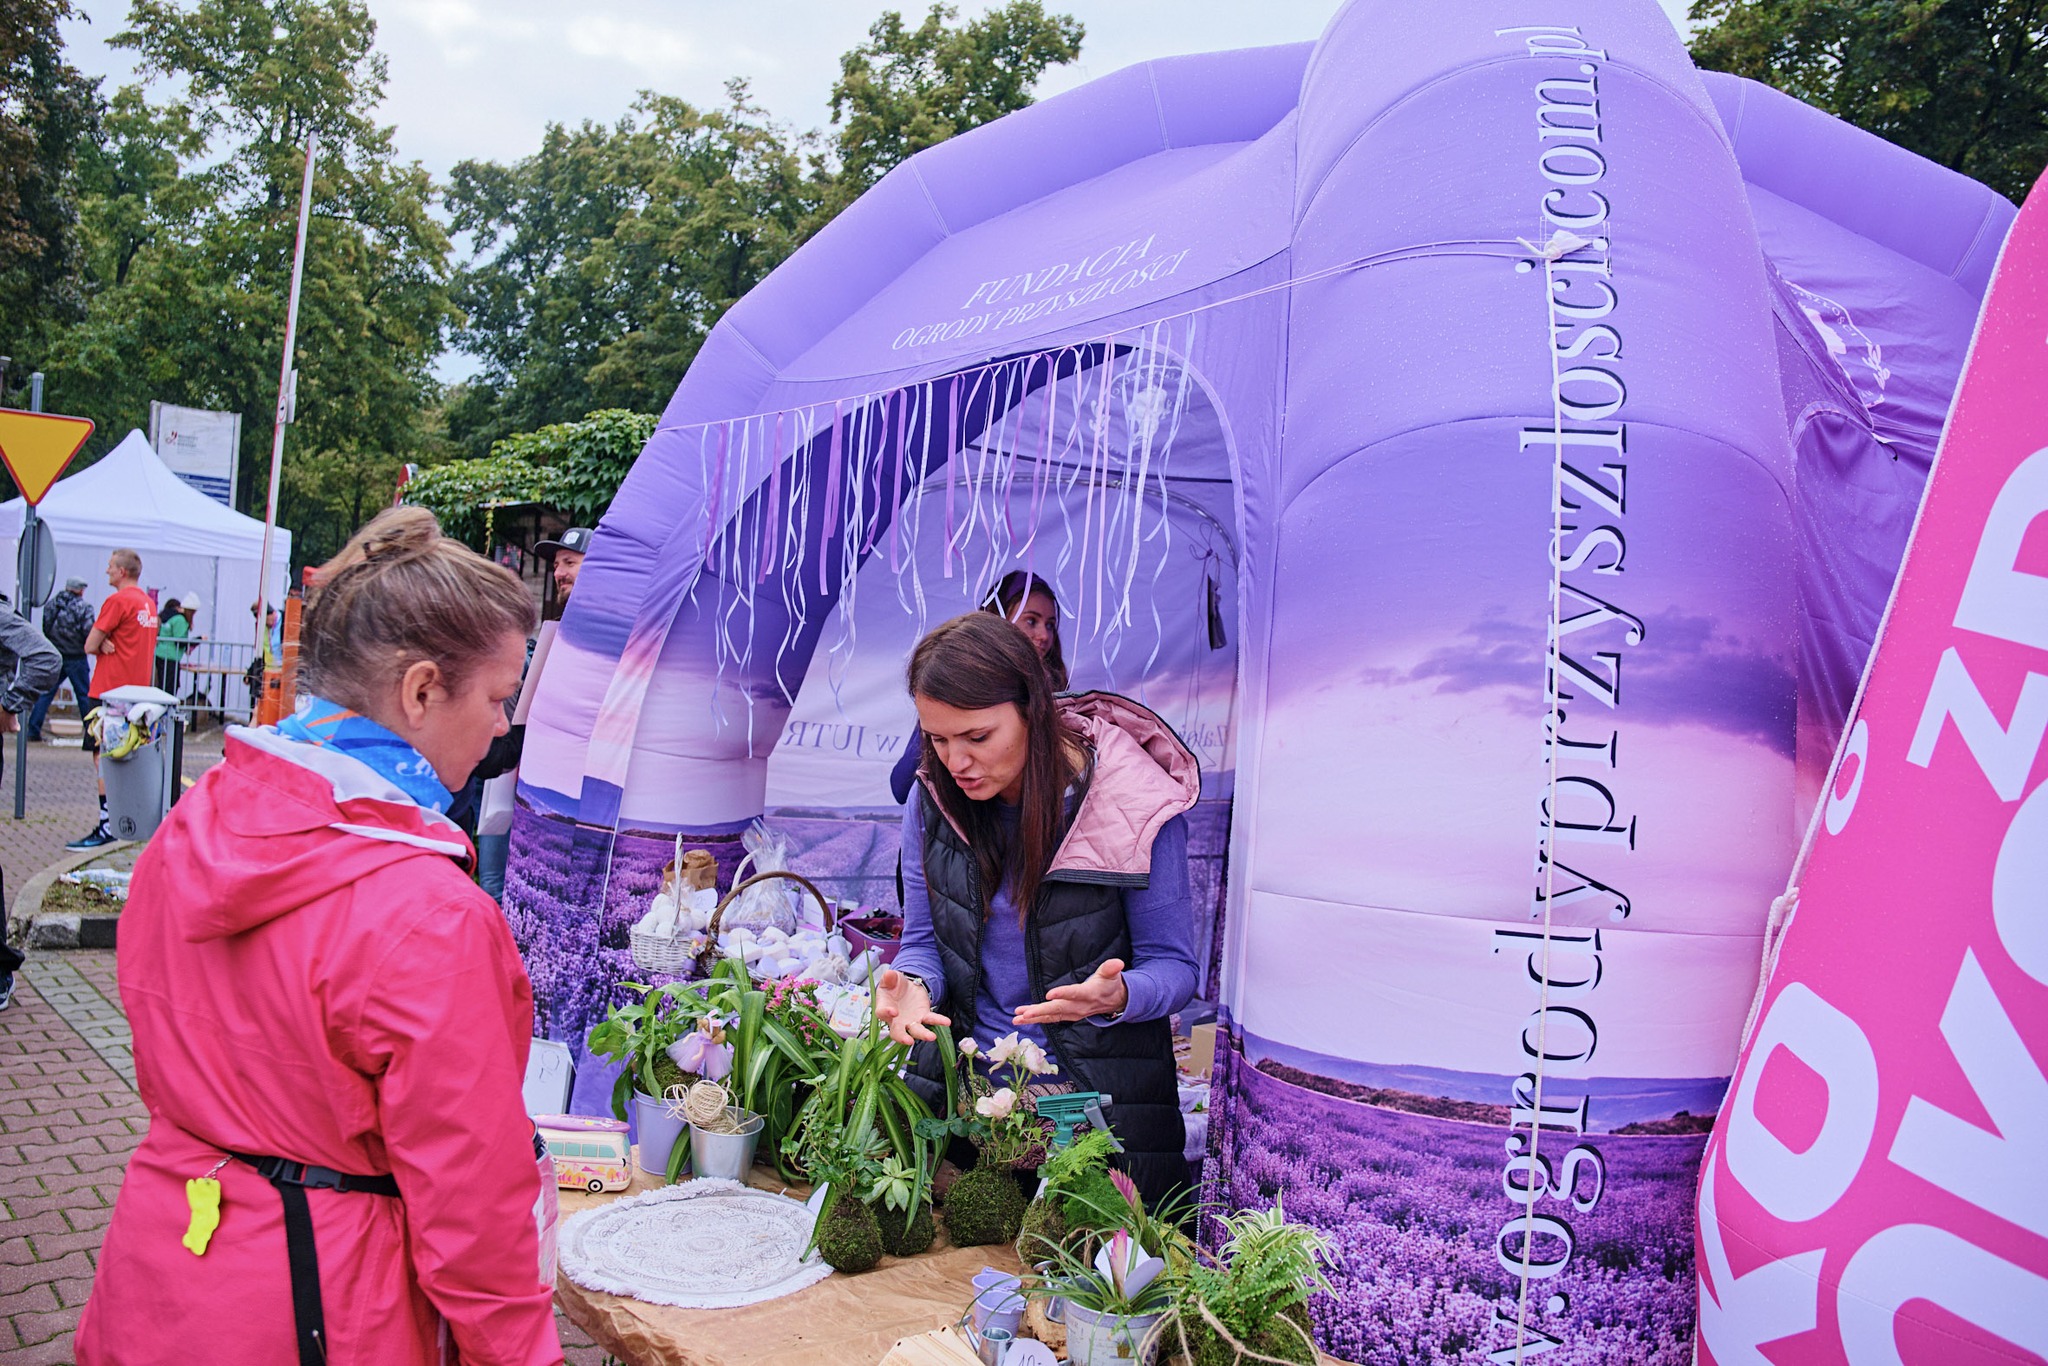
(25, 919)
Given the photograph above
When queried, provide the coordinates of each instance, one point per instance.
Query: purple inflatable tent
(1485, 438)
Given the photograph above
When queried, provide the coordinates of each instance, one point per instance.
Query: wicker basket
(673, 954)
(709, 953)
(661, 953)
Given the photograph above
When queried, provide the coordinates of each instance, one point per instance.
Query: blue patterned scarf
(332, 726)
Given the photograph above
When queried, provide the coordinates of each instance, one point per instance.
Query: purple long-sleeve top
(1160, 975)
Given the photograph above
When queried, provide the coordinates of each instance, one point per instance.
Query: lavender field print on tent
(1416, 1202)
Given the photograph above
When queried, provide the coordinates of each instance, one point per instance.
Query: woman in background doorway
(1026, 602)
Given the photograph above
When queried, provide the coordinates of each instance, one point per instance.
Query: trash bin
(136, 735)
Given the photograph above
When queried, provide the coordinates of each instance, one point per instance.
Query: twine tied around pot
(709, 1106)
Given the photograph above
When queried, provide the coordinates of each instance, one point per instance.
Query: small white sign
(200, 446)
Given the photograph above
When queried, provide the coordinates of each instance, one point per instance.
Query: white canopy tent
(188, 543)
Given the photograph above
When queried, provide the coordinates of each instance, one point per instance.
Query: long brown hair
(398, 593)
(1008, 598)
(980, 660)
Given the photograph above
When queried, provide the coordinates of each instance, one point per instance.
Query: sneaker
(99, 836)
(6, 990)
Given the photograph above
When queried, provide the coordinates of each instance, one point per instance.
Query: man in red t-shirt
(122, 644)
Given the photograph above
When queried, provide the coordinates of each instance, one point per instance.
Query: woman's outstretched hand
(1102, 994)
(906, 1007)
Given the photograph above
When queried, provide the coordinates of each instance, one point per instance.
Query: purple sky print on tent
(1471, 358)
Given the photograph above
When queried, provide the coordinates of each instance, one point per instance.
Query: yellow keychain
(203, 1195)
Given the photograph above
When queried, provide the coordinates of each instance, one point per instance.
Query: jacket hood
(1144, 777)
(280, 824)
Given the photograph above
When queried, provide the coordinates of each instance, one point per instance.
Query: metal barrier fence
(211, 681)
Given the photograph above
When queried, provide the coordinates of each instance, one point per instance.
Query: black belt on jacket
(293, 1180)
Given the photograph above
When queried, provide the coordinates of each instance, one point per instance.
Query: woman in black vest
(1045, 882)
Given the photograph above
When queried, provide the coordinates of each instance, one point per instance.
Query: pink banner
(1875, 1190)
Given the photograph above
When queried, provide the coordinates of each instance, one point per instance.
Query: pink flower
(997, 1106)
(1119, 1258)
(1128, 1189)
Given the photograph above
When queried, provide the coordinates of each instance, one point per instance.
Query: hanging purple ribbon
(896, 488)
(952, 464)
(771, 540)
(713, 495)
(828, 516)
(1052, 387)
(894, 401)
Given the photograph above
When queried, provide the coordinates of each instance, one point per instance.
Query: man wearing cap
(67, 619)
(565, 555)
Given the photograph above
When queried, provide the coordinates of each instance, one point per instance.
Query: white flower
(1003, 1048)
(997, 1106)
(1032, 1058)
(968, 1048)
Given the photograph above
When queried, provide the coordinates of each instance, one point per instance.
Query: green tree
(573, 466)
(47, 112)
(191, 212)
(906, 89)
(602, 260)
(1961, 82)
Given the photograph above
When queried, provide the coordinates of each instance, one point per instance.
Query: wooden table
(841, 1321)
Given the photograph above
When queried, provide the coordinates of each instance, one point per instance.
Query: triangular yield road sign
(37, 447)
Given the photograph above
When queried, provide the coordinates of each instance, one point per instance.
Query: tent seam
(938, 216)
(1158, 107)
(1712, 122)
(1772, 475)
(1970, 253)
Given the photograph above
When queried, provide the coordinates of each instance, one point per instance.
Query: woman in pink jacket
(331, 1021)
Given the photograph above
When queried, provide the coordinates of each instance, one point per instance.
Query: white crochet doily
(704, 1244)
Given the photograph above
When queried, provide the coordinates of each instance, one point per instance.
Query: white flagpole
(284, 385)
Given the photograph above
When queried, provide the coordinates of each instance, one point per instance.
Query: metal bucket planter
(1112, 1339)
(658, 1132)
(728, 1156)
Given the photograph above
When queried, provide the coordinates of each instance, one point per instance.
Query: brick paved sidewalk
(68, 1122)
(69, 1115)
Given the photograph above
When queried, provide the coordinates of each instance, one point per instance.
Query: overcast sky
(483, 78)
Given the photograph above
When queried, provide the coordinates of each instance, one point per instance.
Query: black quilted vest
(1077, 924)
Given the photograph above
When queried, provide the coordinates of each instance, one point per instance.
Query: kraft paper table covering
(841, 1321)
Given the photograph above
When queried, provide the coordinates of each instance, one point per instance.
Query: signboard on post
(37, 447)
(201, 447)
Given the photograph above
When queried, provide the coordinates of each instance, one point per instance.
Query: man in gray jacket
(67, 620)
(28, 668)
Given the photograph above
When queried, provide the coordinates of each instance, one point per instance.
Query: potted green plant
(1252, 1295)
(780, 1041)
(1115, 1305)
(1077, 1174)
(859, 1138)
(639, 1034)
(985, 1205)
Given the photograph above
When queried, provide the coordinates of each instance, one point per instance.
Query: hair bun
(404, 533)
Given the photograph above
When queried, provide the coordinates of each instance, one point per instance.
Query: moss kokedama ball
(984, 1207)
(667, 1074)
(1287, 1336)
(901, 1238)
(849, 1241)
(1043, 1231)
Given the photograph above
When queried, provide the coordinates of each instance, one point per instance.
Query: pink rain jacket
(310, 975)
